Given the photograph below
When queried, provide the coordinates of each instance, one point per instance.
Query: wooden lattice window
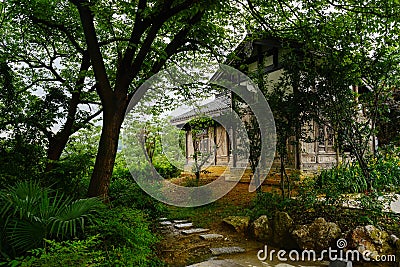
(204, 145)
(203, 141)
(326, 139)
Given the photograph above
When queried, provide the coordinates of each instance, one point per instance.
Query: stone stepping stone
(165, 223)
(340, 263)
(211, 236)
(181, 221)
(216, 263)
(226, 250)
(194, 231)
(163, 219)
(183, 225)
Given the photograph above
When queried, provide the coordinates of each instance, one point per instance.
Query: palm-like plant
(31, 213)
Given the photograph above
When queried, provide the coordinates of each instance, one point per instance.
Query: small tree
(199, 127)
(254, 134)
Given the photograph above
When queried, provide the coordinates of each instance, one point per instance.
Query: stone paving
(226, 250)
(211, 236)
(194, 231)
(216, 263)
(225, 256)
(185, 227)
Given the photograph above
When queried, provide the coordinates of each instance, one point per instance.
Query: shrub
(266, 203)
(31, 213)
(70, 174)
(348, 178)
(116, 237)
(126, 238)
(124, 191)
(19, 160)
(165, 168)
(66, 253)
(386, 170)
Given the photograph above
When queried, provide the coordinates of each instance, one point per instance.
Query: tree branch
(87, 19)
(77, 126)
(174, 45)
(61, 28)
(141, 24)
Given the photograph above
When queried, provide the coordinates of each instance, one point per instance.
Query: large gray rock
(261, 229)
(372, 239)
(395, 241)
(239, 223)
(283, 225)
(316, 236)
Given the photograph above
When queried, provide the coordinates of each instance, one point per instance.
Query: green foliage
(114, 237)
(31, 213)
(197, 125)
(385, 169)
(266, 203)
(19, 160)
(126, 238)
(65, 253)
(89, 252)
(348, 178)
(70, 174)
(125, 192)
(307, 193)
(156, 146)
(164, 167)
(199, 128)
(329, 193)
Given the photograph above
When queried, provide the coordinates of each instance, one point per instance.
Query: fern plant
(32, 213)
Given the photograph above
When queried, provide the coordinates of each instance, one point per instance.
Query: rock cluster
(239, 223)
(316, 236)
(319, 235)
(368, 239)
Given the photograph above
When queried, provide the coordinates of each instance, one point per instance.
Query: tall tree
(52, 69)
(157, 31)
(110, 47)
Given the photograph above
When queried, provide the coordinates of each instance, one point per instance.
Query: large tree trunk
(55, 149)
(58, 142)
(103, 168)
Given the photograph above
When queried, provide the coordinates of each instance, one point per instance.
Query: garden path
(210, 248)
